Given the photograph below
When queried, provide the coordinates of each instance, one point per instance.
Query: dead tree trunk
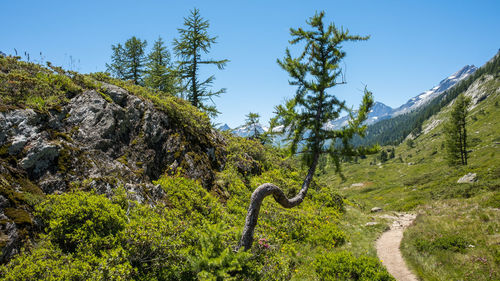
(265, 190)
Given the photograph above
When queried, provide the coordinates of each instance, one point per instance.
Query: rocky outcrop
(97, 140)
(468, 178)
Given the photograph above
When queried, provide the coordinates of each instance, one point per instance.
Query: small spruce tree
(135, 59)
(118, 65)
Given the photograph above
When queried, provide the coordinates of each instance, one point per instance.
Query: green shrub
(210, 257)
(330, 199)
(344, 266)
(190, 197)
(48, 262)
(329, 236)
(453, 242)
(79, 219)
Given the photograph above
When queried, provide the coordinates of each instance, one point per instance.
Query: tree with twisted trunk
(304, 118)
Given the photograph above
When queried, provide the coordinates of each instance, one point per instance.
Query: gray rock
(376, 209)
(3, 202)
(117, 94)
(468, 178)
(9, 237)
(17, 145)
(371, 223)
(39, 157)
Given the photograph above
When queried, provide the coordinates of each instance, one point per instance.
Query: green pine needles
(128, 60)
(194, 42)
(314, 71)
(456, 132)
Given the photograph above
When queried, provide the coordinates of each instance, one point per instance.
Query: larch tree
(135, 59)
(456, 132)
(314, 71)
(194, 41)
(252, 123)
(128, 60)
(117, 68)
(159, 72)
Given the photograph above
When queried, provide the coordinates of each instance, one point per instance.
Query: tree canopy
(303, 118)
(456, 132)
(128, 60)
(159, 73)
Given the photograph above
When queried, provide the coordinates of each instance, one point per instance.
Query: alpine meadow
(129, 160)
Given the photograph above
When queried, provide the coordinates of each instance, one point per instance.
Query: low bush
(453, 242)
(75, 220)
(345, 266)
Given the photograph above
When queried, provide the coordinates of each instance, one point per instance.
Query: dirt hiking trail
(388, 247)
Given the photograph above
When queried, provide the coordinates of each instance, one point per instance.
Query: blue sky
(413, 45)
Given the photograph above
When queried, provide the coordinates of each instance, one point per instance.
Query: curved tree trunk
(265, 190)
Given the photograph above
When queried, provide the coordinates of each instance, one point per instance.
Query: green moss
(74, 130)
(105, 96)
(4, 150)
(59, 135)
(19, 216)
(8, 192)
(123, 159)
(64, 160)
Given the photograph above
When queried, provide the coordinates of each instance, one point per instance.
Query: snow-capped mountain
(379, 112)
(245, 130)
(224, 128)
(429, 95)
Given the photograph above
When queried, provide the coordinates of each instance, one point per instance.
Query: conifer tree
(128, 60)
(456, 132)
(252, 122)
(159, 72)
(118, 65)
(194, 41)
(135, 59)
(314, 71)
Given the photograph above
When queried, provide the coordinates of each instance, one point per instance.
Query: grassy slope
(287, 242)
(418, 179)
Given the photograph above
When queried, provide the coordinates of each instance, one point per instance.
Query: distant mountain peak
(430, 94)
(249, 130)
(224, 128)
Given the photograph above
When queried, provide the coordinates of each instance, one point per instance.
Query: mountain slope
(427, 96)
(396, 129)
(455, 234)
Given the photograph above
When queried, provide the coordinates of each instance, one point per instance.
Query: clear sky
(413, 45)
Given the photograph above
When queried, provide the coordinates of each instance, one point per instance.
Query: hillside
(456, 231)
(394, 130)
(101, 179)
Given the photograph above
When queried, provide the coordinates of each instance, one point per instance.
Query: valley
(132, 173)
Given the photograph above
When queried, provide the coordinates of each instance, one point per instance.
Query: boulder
(376, 209)
(469, 178)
